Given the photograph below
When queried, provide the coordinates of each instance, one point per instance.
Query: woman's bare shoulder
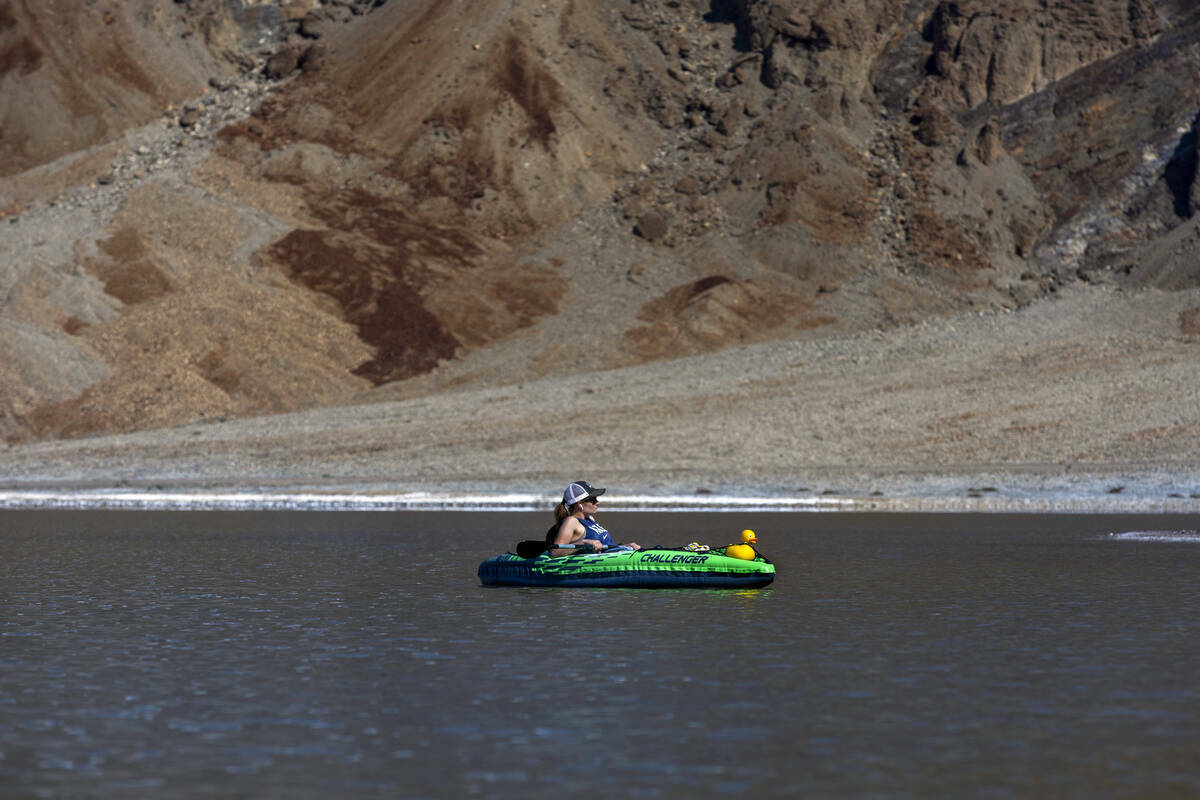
(570, 525)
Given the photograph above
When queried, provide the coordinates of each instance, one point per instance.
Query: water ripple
(1158, 536)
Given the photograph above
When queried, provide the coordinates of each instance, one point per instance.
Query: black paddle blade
(531, 548)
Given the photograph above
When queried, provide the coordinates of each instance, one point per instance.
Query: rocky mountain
(227, 208)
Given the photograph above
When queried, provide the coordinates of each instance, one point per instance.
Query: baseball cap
(579, 490)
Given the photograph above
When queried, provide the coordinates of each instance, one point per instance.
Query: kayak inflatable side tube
(637, 569)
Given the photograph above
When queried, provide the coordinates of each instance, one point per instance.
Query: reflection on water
(311, 655)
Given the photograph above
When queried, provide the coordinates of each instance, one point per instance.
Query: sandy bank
(1089, 401)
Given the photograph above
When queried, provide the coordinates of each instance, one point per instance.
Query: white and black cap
(579, 491)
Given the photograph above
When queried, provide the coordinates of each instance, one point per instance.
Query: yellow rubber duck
(744, 550)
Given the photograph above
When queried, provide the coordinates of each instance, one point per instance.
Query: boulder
(298, 9)
(652, 226)
(189, 117)
(282, 64)
(935, 126)
(989, 145)
(688, 185)
(313, 58)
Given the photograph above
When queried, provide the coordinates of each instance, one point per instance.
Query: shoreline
(989, 500)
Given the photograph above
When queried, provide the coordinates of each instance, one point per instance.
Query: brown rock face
(1002, 52)
(426, 181)
(87, 73)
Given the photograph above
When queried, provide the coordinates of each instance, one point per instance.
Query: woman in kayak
(575, 521)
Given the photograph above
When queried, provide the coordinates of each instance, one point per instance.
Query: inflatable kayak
(654, 568)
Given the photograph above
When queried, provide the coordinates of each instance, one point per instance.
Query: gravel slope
(1089, 400)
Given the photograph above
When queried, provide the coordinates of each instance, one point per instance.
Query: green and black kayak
(654, 568)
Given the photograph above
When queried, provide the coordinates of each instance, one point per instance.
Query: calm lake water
(306, 655)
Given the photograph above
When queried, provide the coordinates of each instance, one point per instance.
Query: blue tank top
(594, 530)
